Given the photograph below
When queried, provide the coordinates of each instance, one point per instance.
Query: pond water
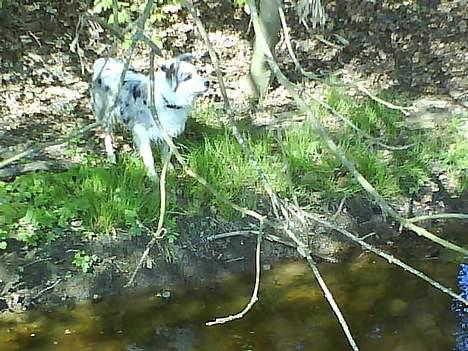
(386, 308)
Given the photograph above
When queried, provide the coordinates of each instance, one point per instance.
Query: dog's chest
(173, 120)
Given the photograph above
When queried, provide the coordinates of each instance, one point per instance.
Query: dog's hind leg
(143, 141)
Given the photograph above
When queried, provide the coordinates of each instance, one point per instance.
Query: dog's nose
(207, 83)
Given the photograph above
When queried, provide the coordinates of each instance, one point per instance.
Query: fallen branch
(461, 216)
(34, 166)
(254, 297)
(41, 147)
(332, 303)
(160, 231)
(249, 233)
(43, 291)
(391, 259)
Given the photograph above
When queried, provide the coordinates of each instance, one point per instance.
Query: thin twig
(160, 231)
(332, 303)
(249, 233)
(357, 129)
(50, 287)
(461, 216)
(254, 297)
(310, 75)
(287, 39)
(404, 110)
(230, 113)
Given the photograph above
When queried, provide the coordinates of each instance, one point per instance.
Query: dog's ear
(169, 69)
(187, 57)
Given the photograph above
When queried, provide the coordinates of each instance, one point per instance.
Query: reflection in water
(387, 309)
(461, 335)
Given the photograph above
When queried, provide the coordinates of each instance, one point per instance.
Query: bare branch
(461, 216)
(358, 130)
(332, 303)
(254, 297)
(325, 105)
(391, 259)
(41, 147)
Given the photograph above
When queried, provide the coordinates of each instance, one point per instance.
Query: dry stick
(439, 216)
(402, 109)
(291, 88)
(254, 297)
(50, 287)
(37, 148)
(161, 231)
(391, 259)
(332, 303)
(249, 233)
(287, 39)
(227, 107)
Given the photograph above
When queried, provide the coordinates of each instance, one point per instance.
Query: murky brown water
(387, 309)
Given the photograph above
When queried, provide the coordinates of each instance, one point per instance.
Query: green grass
(97, 197)
(100, 198)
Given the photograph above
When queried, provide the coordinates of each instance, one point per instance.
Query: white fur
(175, 88)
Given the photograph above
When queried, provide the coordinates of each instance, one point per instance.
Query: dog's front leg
(109, 147)
(143, 141)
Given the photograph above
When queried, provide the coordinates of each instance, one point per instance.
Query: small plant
(83, 261)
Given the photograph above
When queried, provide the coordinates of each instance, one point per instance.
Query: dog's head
(185, 81)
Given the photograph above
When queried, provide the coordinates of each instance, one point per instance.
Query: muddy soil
(44, 277)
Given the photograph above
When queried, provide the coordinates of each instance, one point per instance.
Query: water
(387, 309)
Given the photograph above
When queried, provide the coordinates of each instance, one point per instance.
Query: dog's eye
(188, 77)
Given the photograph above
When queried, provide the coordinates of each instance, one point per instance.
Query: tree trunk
(259, 74)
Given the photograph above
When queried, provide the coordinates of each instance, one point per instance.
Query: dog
(176, 86)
